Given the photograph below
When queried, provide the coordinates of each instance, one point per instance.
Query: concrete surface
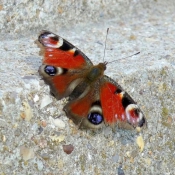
(31, 134)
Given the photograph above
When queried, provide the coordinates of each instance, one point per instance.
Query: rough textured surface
(32, 138)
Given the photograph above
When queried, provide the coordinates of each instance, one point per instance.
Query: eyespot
(50, 70)
(134, 116)
(95, 118)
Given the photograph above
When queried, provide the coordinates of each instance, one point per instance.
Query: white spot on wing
(72, 50)
(123, 116)
(59, 70)
(122, 94)
(49, 49)
(96, 108)
(60, 42)
(50, 35)
(116, 116)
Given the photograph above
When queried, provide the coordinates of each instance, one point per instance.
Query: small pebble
(3, 138)
(26, 153)
(40, 165)
(40, 130)
(140, 142)
(68, 148)
(120, 171)
(28, 113)
(46, 100)
(58, 138)
(45, 156)
(36, 98)
(115, 158)
(59, 123)
(43, 123)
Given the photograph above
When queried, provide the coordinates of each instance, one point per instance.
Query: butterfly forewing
(63, 65)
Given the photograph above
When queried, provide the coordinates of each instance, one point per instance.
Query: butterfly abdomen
(90, 80)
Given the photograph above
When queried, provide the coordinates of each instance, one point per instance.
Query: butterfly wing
(86, 110)
(63, 65)
(105, 103)
(118, 106)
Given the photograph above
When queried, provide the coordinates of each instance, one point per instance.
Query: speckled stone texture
(35, 132)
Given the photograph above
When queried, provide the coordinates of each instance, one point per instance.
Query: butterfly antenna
(124, 57)
(105, 43)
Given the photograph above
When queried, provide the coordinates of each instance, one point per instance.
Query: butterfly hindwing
(86, 110)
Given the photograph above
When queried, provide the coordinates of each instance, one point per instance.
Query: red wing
(79, 108)
(60, 53)
(63, 64)
(118, 106)
(61, 85)
(86, 110)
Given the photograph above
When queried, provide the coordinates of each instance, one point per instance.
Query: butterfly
(94, 99)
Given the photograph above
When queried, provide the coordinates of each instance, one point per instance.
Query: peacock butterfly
(94, 98)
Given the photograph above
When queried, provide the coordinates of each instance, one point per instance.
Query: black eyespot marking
(64, 70)
(55, 38)
(96, 103)
(118, 91)
(65, 46)
(76, 53)
(126, 101)
(50, 70)
(142, 122)
(95, 118)
(44, 35)
(136, 110)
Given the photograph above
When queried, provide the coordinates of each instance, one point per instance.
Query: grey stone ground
(32, 139)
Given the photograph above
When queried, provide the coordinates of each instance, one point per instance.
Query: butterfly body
(94, 98)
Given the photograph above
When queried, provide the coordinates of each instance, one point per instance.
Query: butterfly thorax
(96, 72)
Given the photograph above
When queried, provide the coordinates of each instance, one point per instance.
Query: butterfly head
(102, 66)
